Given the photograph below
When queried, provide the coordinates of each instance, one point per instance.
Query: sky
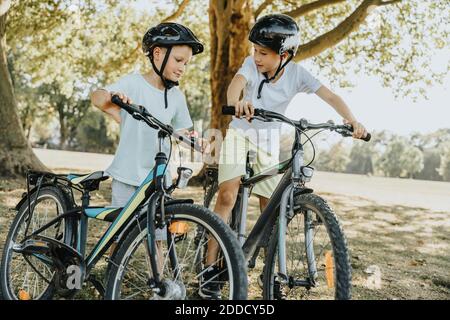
(377, 109)
(374, 106)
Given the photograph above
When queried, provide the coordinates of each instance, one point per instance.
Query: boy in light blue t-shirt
(157, 92)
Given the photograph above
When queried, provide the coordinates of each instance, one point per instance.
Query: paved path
(388, 191)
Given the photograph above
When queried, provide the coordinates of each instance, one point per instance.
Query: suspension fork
(151, 238)
(159, 193)
(309, 246)
(242, 209)
(286, 208)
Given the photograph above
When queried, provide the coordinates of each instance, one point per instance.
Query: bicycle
(45, 251)
(306, 250)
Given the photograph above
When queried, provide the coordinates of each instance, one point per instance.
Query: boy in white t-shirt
(169, 47)
(268, 81)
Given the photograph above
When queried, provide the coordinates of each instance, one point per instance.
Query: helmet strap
(267, 79)
(168, 84)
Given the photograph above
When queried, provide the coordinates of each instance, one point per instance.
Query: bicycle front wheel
(178, 260)
(317, 258)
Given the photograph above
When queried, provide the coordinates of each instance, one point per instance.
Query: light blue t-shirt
(274, 97)
(138, 145)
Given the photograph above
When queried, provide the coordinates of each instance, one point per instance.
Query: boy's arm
(101, 98)
(234, 91)
(342, 109)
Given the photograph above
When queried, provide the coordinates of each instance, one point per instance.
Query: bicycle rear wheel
(26, 277)
(317, 258)
(130, 274)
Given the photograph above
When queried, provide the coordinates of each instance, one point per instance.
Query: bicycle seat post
(251, 157)
(85, 198)
(83, 224)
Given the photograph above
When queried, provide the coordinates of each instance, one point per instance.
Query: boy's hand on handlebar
(359, 131)
(206, 147)
(204, 143)
(122, 97)
(244, 108)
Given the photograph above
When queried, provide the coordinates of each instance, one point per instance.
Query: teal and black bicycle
(45, 251)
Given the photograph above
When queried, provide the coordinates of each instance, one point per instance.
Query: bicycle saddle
(89, 181)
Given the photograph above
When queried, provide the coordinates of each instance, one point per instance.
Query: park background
(389, 60)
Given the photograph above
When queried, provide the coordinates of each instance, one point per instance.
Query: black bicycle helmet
(278, 32)
(167, 35)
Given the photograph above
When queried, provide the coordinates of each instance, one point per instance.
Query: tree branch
(307, 8)
(385, 3)
(333, 37)
(261, 8)
(178, 12)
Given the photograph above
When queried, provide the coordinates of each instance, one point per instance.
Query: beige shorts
(233, 157)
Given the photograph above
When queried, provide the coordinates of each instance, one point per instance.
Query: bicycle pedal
(32, 246)
(49, 250)
(282, 278)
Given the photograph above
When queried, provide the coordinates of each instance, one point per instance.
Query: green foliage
(444, 169)
(396, 44)
(431, 164)
(400, 159)
(93, 135)
(417, 156)
(336, 159)
(362, 157)
(73, 47)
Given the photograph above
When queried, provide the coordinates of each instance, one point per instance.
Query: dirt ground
(397, 251)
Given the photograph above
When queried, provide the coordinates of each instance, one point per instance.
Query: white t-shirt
(138, 145)
(274, 97)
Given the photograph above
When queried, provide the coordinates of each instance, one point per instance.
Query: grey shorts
(121, 193)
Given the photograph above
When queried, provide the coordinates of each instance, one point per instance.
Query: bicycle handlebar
(303, 124)
(140, 113)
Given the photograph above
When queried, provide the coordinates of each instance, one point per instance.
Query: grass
(407, 248)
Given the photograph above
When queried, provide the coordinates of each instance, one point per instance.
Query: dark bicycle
(44, 254)
(306, 250)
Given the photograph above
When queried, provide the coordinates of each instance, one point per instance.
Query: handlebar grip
(228, 110)
(231, 111)
(130, 108)
(367, 137)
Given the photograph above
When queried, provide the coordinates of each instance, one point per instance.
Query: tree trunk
(229, 27)
(62, 126)
(16, 155)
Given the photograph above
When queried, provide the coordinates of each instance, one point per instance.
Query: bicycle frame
(151, 189)
(281, 199)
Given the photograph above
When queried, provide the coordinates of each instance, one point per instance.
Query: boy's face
(179, 58)
(266, 59)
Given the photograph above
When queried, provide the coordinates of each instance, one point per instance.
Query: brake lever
(260, 118)
(137, 116)
(140, 117)
(345, 132)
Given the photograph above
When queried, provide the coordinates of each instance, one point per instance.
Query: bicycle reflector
(329, 269)
(184, 174)
(179, 227)
(23, 295)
